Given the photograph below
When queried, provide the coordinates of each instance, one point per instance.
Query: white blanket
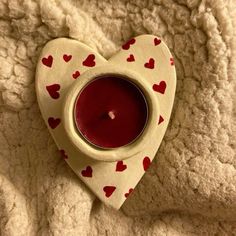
(190, 188)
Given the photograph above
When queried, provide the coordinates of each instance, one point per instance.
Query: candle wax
(110, 112)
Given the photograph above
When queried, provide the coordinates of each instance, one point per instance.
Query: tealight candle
(110, 111)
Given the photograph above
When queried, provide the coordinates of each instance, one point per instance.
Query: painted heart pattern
(146, 163)
(160, 88)
(53, 90)
(120, 166)
(150, 64)
(67, 58)
(127, 45)
(47, 61)
(53, 122)
(76, 74)
(129, 192)
(131, 58)
(61, 66)
(161, 119)
(109, 190)
(89, 61)
(157, 41)
(88, 172)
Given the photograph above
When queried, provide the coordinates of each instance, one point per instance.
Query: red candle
(110, 112)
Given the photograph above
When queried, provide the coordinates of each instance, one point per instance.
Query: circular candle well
(110, 111)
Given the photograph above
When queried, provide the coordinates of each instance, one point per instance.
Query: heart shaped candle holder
(144, 67)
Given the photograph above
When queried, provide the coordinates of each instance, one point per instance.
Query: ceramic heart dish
(63, 66)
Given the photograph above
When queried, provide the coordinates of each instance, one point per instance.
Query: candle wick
(111, 115)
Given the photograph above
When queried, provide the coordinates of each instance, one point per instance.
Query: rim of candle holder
(109, 154)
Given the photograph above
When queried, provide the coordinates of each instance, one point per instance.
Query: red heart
(63, 154)
(89, 61)
(130, 58)
(150, 63)
(160, 88)
(146, 163)
(130, 191)
(76, 74)
(53, 90)
(88, 172)
(109, 190)
(161, 119)
(67, 57)
(157, 41)
(128, 44)
(120, 166)
(47, 61)
(54, 122)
